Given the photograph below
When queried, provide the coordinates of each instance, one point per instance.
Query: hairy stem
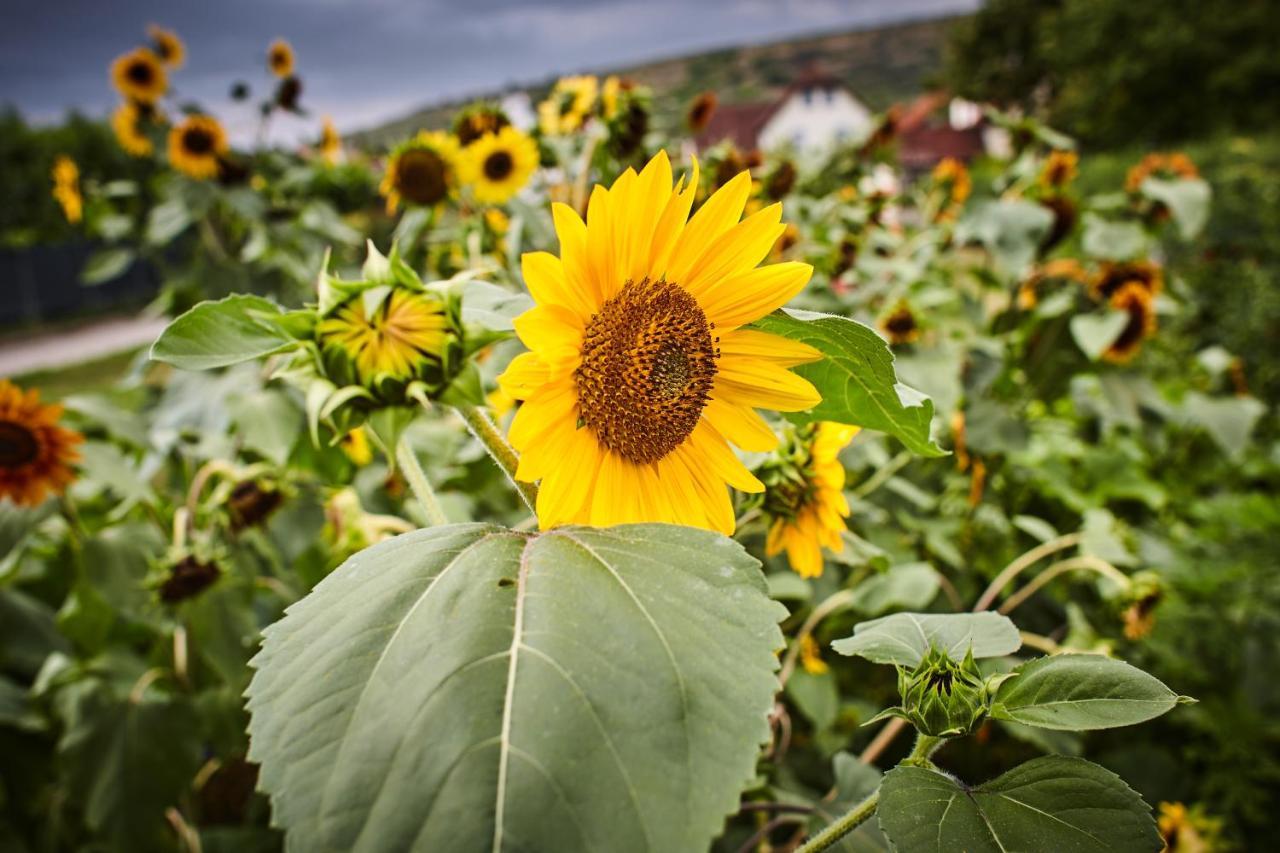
(484, 429)
(418, 483)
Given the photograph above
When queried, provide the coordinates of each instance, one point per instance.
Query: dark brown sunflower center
(1135, 330)
(648, 364)
(901, 323)
(197, 140)
(420, 177)
(498, 166)
(18, 445)
(140, 72)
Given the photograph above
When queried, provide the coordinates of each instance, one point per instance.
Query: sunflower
(422, 171)
(609, 92)
(196, 145)
(393, 339)
(1110, 277)
(498, 165)
(478, 120)
(35, 453)
(1136, 301)
(330, 142)
(1062, 269)
(953, 178)
(640, 373)
(811, 656)
(126, 121)
(66, 188)
(1059, 169)
(805, 501)
(280, 58)
(700, 111)
(1177, 165)
(781, 181)
(168, 46)
(1189, 830)
(139, 76)
(568, 106)
(900, 325)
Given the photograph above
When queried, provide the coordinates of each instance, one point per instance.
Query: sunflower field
(564, 489)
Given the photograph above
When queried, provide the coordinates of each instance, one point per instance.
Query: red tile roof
(739, 123)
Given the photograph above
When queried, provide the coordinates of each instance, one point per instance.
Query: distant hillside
(881, 66)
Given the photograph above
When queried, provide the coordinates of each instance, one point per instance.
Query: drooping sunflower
(390, 340)
(1110, 277)
(900, 325)
(1138, 302)
(170, 49)
(66, 188)
(1059, 169)
(140, 76)
(478, 120)
(568, 106)
(195, 146)
(330, 142)
(127, 122)
(36, 454)
(781, 181)
(280, 58)
(497, 165)
(805, 502)
(700, 111)
(640, 372)
(421, 171)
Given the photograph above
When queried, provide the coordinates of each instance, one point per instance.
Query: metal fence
(42, 283)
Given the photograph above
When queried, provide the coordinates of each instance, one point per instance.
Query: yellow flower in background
(1111, 276)
(356, 445)
(478, 120)
(126, 123)
(422, 171)
(393, 340)
(498, 165)
(139, 76)
(1060, 169)
(568, 106)
(640, 373)
(900, 325)
(195, 145)
(280, 58)
(1190, 830)
(953, 177)
(807, 507)
(35, 453)
(66, 188)
(170, 49)
(1138, 302)
(497, 221)
(811, 656)
(330, 142)
(609, 96)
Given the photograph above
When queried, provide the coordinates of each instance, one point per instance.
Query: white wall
(816, 119)
(519, 109)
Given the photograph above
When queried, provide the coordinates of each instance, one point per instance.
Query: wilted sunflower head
(1060, 169)
(900, 325)
(804, 498)
(167, 45)
(422, 171)
(280, 58)
(640, 372)
(477, 120)
(288, 92)
(127, 124)
(700, 111)
(781, 181)
(497, 165)
(569, 105)
(36, 454)
(1111, 276)
(1065, 217)
(140, 76)
(196, 144)
(1138, 303)
(188, 576)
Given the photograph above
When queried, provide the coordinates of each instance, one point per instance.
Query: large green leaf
(856, 378)
(1081, 692)
(1010, 229)
(1186, 199)
(904, 638)
(1116, 241)
(472, 688)
(218, 334)
(1054, 803)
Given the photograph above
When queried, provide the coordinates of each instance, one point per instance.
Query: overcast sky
(365, 62)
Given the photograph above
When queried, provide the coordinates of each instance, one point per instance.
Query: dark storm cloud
(368, 61)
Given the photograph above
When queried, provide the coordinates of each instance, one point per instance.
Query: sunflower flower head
(196, 145)
(1137, 302)
(36, 454)
(781, 180)
(700, 111)
(568, 106)
(1190, 830)
(140, 76)
(128, 123)
(422, 172)
(1059, 170)
(952, 178)
(330, 142)
(1112, 276)
(478, 120)
(66, 188)
(900, 325)
(627, 120)
(804, 500)
(280, 59)
(811, 656)
(1161, 165)
(498, 165)
(167, 46)
(640, 372)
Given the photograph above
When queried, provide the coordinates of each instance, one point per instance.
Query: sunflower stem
(419, 484)
(484, 429)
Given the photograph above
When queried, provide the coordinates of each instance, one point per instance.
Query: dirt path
(65, 347)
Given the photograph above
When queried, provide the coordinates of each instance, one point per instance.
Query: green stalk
(418, 483)
(484, 429)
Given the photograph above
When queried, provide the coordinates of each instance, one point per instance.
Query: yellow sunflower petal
(554, 333)
(671, 224)
(550, 405)
(762, 385)
(524, 375)
(544, 276)
(736, 251)
(783, 352)
(717, 455)
(741, 425)
(720, 213)
(565, 494)
(748, 296)
(648, 200)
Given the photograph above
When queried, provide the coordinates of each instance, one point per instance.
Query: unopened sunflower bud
(943, 698)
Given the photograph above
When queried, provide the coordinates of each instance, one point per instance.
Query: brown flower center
(197, 141)
(140, 72)
(18, 445)
(498, 166)
(420, 177)
(648, 365)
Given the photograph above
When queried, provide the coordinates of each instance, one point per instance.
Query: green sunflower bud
(943, 698)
